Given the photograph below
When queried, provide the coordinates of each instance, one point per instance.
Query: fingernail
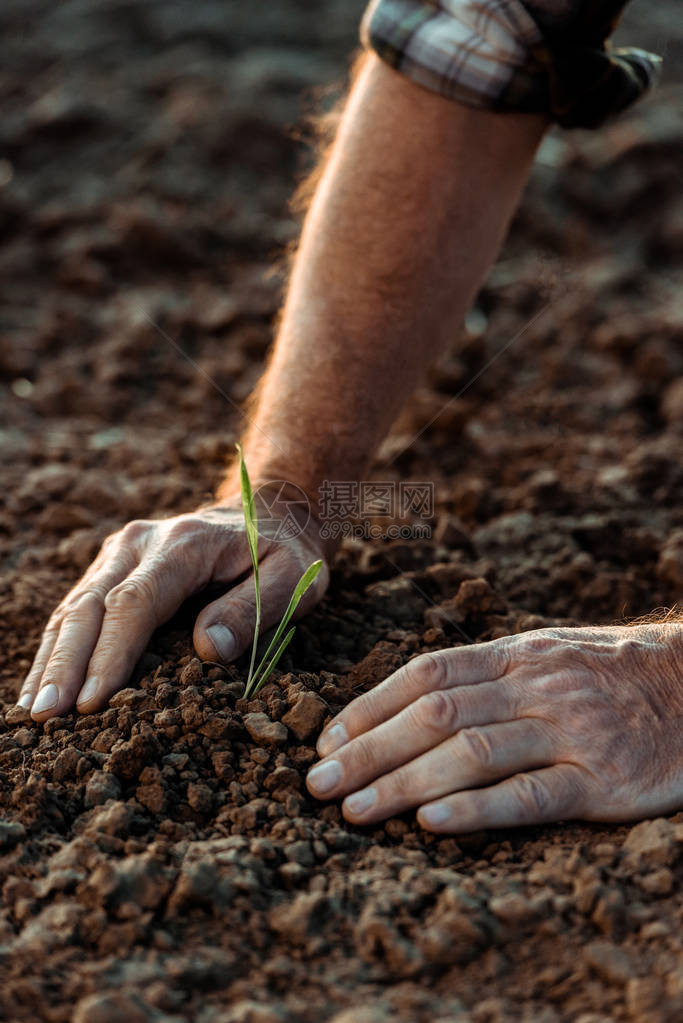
(223, 641)
(361, 801)
(89, 691)
(436, 813)
(46, 699)
(331, 739)
(25, 701)
(325, 776)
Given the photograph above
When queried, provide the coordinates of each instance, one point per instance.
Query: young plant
(280, 641)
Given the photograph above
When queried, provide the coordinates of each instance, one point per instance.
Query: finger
(538, 797)
(31, 683)
(66, 667)
(473, 757)
(59, 668)
(133, 609)
(460, 666)
(225, 628)
(419, 727)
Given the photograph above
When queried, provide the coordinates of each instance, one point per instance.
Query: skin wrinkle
(586, 719)
(353, 338)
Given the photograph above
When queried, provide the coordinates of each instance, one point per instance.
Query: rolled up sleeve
(540, 56)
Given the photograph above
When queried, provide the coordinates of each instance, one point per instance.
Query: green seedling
(278, 644)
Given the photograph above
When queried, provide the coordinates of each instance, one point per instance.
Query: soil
(161, 860)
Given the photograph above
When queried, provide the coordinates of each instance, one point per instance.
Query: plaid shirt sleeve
(535, 56)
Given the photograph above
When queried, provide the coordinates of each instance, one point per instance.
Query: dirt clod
(161, 859)
(654, 843)
(305, 718)
(265, 731)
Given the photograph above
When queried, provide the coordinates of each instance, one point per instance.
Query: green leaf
(258, 682)
(306, 579)
(251, 524)
(249, 508)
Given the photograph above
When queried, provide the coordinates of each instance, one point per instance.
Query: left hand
(547, 725)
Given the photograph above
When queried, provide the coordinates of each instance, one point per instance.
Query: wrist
(667, 637)
(673, 633)
(276, 488)
(279, 496)
(274, 474)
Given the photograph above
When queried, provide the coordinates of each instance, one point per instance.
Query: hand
(140, 578)
(547, 725)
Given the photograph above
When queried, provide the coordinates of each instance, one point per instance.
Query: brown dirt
(162, 861)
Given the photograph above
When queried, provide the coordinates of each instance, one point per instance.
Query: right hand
(139, 579)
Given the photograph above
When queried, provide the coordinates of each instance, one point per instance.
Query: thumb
(225, 628)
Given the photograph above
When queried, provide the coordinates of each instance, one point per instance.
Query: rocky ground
(161, 860)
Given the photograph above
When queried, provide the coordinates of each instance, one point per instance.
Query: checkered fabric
(540, 56)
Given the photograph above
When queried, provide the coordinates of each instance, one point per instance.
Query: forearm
(408, 216)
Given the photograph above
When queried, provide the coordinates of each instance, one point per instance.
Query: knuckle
(242, 610)
(79, 603)
(133, 531)
(110, 541)
(436, 711)
(477, 747)
(86, 598)
(184, 527)
(532, 795)
(498, 655)
(549, 640)
(32, 679)
(430, 669)
(54, 622)
(89, 599)
(540, 642)
(363, 712)
(130, 593)
(399, 787)
(59, 662)
(363, 756)
(559, 655)
(629, 650)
